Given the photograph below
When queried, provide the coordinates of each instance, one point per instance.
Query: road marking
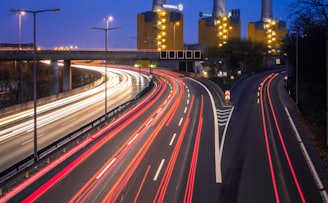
(309, 162)
(159, 170)
(30, 140)
(105, 169)
(133, 138)
(218, 174)
(223, 116)
(185, 110)
(188, 101)
(149, 121)
(188, 95)
(180, 122)
(159, 110)
(68, 122)
(172, 140)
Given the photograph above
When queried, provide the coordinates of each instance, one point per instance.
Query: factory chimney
(158, 4)
(219, 9)
(266, 10)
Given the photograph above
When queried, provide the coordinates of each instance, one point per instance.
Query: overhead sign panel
(181, 55)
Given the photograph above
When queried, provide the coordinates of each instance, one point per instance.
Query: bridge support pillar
(67, 76)
(54, 83)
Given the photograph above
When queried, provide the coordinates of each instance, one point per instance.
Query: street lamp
(34, 12)
(296, 33)
(20, 14)
(174, 24)
(110, 18)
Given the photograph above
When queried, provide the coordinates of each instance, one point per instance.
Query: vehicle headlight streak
(119, 79)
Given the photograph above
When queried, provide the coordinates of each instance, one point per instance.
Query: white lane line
(149, 121)
(188, 101)
(187, 90)
(68, 122)
(185, 110)
(218, 173)
(188, 95)
(180, 122)
(30, 140)
(105, 169)
(159, 110)
(172, 140)
(165, 102)
(159, 170)
(133, 138)
(309, 162)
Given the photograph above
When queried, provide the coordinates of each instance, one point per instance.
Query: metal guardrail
(46, 151)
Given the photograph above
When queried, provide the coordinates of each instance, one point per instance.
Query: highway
(264, 155)
(183, 144)
(63, 116)
(149, 154)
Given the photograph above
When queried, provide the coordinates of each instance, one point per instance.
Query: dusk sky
(71, 26)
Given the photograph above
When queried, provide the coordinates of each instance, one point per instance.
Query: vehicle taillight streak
(192, 171)
(161, 191)
(265, 97)
(36, 194)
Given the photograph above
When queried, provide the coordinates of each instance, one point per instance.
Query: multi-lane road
(63, 116)
(183, 144)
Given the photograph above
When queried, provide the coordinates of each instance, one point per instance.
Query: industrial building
(215, 29)
(268, 30)
(161, 28)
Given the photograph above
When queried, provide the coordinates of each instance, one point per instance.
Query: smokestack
(157, 4)
(219, 8)
(266, 10)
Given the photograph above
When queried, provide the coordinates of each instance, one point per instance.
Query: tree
(311, 23)
(238, 54)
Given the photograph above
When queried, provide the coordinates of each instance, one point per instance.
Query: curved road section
(182, 144)
(59, 118)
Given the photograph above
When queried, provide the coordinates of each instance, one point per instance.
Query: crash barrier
(44, 152)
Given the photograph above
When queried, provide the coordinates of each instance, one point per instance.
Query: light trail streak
(161, 191)
(193, 166)
(273, 178)
(291, 168)
(51, 182)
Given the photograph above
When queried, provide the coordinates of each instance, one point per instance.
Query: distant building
(217, 28)
(161, 28)
(268, 30)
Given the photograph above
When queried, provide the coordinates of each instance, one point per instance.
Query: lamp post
(34, 12)
(296, 33)
(174, 25)
(20, 14)
(110, 18)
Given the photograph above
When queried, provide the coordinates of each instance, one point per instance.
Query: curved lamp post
(110, 18)
(34, 12)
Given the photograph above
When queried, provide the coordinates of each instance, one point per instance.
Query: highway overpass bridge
(129, 56)
(8, 55)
